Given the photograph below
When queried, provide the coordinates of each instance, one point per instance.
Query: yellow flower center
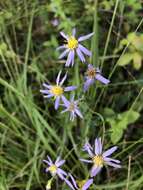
(98, 160)
(81, 184)
(91, 73)
(57, 90)
(72, 43)
(53, 169)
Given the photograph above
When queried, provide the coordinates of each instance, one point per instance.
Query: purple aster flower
(99, 158)
(72, 107)
(54, 168)
(57, 90)
(73, 46)
(78, 185)
(93, 74)
(55, 22)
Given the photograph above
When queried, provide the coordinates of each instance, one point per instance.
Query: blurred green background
(30, 128)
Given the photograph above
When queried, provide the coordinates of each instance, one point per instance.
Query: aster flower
(92, 75)
(72, 107)
(73, 46)
(57, 90)
(54, 168)
(78, 185)
(55, 22)
(100, 158)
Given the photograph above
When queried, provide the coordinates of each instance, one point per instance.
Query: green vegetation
(30, 128)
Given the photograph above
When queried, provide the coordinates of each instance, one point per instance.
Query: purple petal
(72, 115)
(44, 91)
(57, 160)
(64, 54)
(84, 160)
(47, 86)
(65, 101)
(70, 88)
(69, 183)
(84, 50)
(87, 147)
(95, 170)
(60, 163)
(57, 102)
(49, 159)
(60, 175)
(87, 84)
(47, 170)
(49, 96)
(58, 78)
(111, 160)
(109, 151)
(90, 66)
(73, 181)
(78, 113)
(102, 79)
(61, 47)
(87, 184)
(47, 162)
(73, 54)
(90, 153)
(65, 110)
(59, 170)
(63, 79)
(55, 22)
(80, 55)
(113, 164)
(98, 146)
(64, 35)
(74, 32)
(82, 38)
(70, 58)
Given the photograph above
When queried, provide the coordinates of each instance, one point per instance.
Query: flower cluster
(57, 91)
(98, 159)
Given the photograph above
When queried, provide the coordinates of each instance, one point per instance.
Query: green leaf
(120, 123)
(116, 135)
(125, 59)
(137, 60)
(131, 116)
(108, 112)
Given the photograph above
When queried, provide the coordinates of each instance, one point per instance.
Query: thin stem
(95, 43)
(77, 82)
(109, 33)
(129, 173)
(27, 50)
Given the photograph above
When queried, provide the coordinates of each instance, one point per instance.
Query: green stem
(95, 43)
(77, 82)
(27, 50)
(109, 33)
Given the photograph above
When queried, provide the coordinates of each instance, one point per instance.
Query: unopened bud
(49, 183)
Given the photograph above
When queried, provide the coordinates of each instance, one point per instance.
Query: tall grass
(29, 126)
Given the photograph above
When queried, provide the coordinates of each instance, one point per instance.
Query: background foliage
(30, 128)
